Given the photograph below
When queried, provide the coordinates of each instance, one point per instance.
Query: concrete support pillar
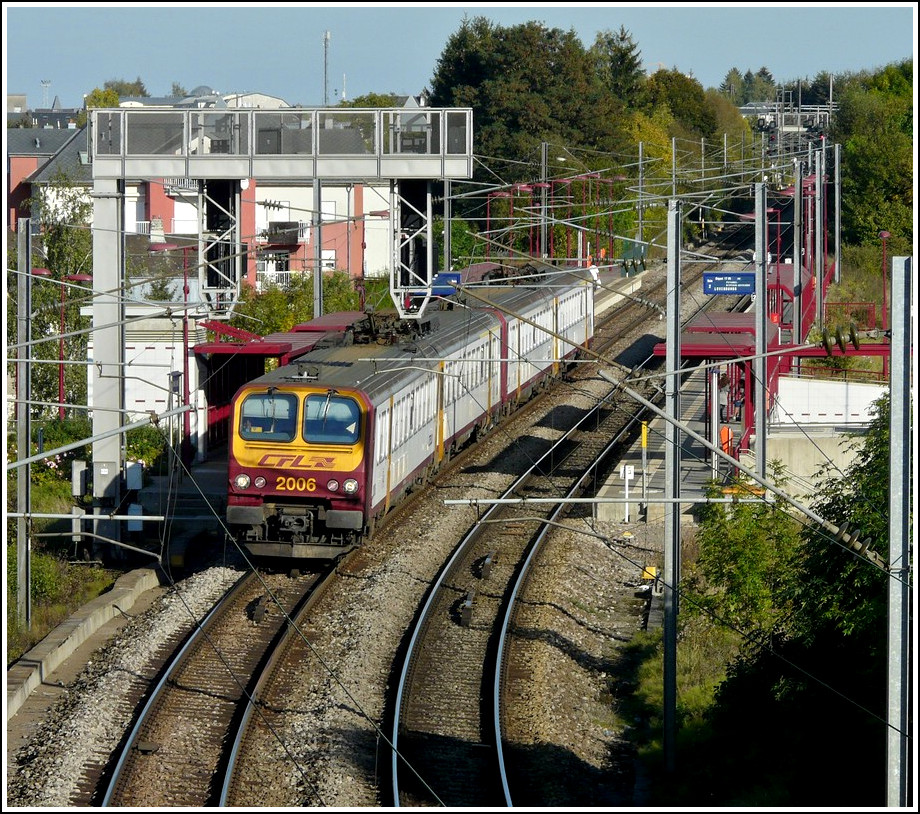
(107, 365)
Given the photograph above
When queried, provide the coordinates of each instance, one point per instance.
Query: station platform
(196, 501)
(698, 466)
(613, 288)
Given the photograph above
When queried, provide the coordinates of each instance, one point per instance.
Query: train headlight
(333, 486)
(351, 486)
(242, 481)
(259, 482)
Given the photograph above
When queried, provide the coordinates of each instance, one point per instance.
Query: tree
(619, 65)
(178, 90)
(62, 211)
(732, 86)
(102, 98)
(278, 309)
(526, 84)
(685, 98)
(746, 561)
(844, 594)
(97, 97)
(874, 125)
(371, 100)
(759, 87)
(124, 88)
(160, 289)
(728, 119)
(465, 247)
(818, 90)
(829, 667)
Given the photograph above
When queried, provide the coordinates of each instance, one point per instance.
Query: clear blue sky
(278, 49)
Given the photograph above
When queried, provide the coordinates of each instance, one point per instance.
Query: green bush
(149, 446)
(57, 589)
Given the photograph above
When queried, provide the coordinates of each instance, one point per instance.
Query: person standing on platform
(723, 398)
(738, 403)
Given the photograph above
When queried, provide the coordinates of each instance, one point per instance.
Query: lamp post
(884, 236)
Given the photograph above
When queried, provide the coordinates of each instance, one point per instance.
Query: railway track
(176, 755)
(447, 732)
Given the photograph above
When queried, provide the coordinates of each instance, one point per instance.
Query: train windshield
(269, 417)
(331, 419)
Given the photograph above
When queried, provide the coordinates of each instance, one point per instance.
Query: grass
(59, 584)
(59, 588)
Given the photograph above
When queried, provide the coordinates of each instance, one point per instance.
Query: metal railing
(171, 132)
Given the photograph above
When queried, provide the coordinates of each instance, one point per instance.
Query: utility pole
(899, 582)
(544, 171)
(673, 166)
(818, 262)
(759, 389)
(326, 37)
(23, 419)
(317, 248)
(837, 213)
(448, 249)
(640, 190)
(672, 485)
(797, 257)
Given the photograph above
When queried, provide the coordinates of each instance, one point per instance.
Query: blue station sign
(737, 282)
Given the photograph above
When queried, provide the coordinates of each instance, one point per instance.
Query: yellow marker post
(644, 479)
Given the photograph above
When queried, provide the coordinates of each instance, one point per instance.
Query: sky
(281, 49)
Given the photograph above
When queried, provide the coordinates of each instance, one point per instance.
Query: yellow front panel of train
(300, 430)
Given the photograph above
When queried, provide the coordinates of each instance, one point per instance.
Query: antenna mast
(326, 37)
(46, 83)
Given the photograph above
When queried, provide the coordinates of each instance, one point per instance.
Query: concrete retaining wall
(34, 667)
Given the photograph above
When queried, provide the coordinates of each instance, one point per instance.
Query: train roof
(532, 286)
(381, 368)
(533, 283)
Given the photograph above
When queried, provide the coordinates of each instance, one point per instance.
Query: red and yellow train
(322, 448)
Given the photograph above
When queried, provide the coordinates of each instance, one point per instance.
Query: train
(321, 448)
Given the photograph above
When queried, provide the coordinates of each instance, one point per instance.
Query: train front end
(297, 471)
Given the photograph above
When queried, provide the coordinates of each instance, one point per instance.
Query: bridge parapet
(327, 143)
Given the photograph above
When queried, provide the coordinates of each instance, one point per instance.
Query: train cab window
(331, 419)
(269, 417)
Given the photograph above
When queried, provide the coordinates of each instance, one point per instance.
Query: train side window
(269, 417)
(383, 434)
(331, 419)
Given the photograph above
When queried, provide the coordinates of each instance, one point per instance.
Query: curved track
(456, 686)
(175, 754)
